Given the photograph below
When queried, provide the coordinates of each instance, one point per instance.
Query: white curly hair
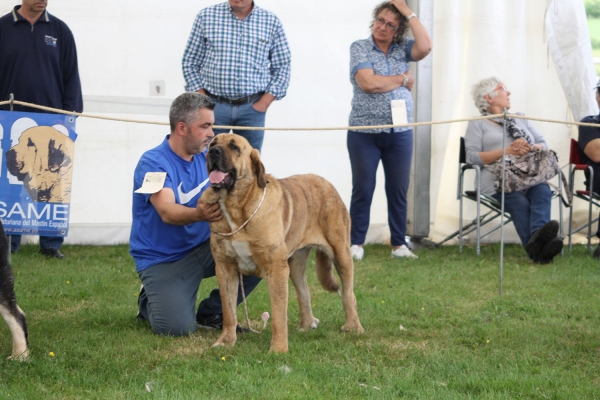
(484, 87)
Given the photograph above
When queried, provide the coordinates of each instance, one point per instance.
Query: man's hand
(264, 102)
(176, 214)
(209, 213)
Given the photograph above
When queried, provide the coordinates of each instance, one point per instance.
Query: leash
(248, 220)
(264, 316)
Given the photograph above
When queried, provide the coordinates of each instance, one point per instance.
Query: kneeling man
(170, 233)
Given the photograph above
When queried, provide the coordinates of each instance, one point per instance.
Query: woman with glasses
(381, 78)
(529, 209)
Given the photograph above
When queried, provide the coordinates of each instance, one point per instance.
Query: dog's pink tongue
(216, 176)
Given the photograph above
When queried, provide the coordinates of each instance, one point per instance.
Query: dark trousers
(366, 150)
(170, 289)
(530, 210)
(46, 242)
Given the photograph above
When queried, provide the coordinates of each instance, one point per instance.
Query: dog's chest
(243, 255)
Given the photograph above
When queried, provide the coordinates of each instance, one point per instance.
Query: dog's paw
(226, 339)
(352, 327)
(279, 347)
(20, 357)
(312, 325)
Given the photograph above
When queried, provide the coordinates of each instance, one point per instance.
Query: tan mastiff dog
(268, 228)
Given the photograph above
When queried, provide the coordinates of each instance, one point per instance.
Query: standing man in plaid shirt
(238, 55)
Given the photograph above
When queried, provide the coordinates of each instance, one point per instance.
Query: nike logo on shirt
(184, 198)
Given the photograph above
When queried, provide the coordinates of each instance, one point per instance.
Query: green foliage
(436, 328)
(592, 8)
(594, 30)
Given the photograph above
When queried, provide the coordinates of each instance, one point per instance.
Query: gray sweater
(485, 135)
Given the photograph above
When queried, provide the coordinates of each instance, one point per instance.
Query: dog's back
(316, 202)
(12, 314)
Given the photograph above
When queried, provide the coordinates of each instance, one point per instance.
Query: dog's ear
(258, 168)
(56, 156)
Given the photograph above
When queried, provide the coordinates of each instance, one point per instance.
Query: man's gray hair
(482, 88)
(185, 108)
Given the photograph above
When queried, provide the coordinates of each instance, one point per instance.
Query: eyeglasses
(388, 25)
(502, 87)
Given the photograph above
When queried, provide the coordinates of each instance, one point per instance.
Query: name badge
(399, 112)
(153, 182)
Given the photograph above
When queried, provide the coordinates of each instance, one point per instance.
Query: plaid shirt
(236, 58)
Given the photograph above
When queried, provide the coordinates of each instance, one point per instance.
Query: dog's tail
(324, 267)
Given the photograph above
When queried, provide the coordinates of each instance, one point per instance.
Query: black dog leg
(12, 314)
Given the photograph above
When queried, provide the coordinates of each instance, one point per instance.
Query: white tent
(127, 48)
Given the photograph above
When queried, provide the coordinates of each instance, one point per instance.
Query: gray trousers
(170, 290)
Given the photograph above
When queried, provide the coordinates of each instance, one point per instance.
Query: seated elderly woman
(529, 209)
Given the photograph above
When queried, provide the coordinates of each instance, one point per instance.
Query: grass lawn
(436, 328)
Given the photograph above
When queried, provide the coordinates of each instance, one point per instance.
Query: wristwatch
(411, 16)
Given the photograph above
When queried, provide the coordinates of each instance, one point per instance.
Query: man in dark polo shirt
(589, 152)
(38, 64)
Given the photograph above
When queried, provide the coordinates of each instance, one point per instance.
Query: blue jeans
(241, 115)
(529, 210)
(394, 150)
(46, 242)
(170, 290)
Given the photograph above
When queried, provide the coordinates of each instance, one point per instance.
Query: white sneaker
(402, 252)
(357, 252)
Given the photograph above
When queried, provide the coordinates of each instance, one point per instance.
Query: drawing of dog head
(43, 161)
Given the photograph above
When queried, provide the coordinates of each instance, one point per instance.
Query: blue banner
(37, 172)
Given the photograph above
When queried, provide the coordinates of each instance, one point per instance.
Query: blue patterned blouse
(375, 108)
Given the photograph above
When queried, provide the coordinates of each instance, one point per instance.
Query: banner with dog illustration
(37, 172)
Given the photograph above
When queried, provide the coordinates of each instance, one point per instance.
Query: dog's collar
(248, 220)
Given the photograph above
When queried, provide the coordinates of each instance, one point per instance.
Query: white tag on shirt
(399, 112)
(153, 182)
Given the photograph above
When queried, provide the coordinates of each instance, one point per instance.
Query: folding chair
(493, 206)
(575, 165)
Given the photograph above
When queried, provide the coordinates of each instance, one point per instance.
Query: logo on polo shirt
(185, 198)
(50, 41)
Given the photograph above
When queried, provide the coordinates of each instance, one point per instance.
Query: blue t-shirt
(370, 109)
(152, 241)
